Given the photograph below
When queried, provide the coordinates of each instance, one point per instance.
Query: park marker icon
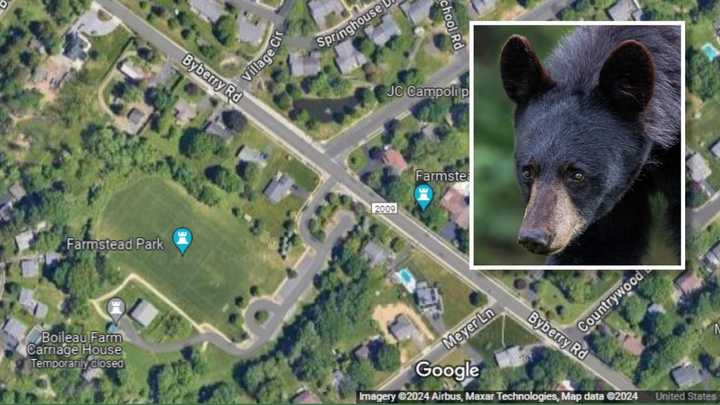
(115, 308)
(423, 195)
(182, 238)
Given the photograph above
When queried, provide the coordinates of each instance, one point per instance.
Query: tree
(360, 372)
(223, 393)
(196, 144)
(387, 357)
(380, 92)
(224, 29)
(223, 178)
(442, 42)
(234, 120)
(702, 75)
(633, 309)
(477, 298)
(249, 172)
(364, 96)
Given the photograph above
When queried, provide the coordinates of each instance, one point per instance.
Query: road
(361, 131)
(282, 303)
(312, 154)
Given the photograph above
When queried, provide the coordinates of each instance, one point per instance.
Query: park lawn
(224, 261)
(455, 293)
(501, 333)
(702, 133)
(161, 329)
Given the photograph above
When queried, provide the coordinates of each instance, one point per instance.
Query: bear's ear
(522, 73)
(627, 79)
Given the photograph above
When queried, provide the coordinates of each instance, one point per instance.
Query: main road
(313, 154)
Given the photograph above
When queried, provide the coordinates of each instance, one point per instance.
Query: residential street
(308, 151)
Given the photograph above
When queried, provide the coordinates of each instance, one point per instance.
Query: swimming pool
(710, 51)
(407, 279)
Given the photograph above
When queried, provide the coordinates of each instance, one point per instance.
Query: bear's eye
(577, 175)
(527, 173)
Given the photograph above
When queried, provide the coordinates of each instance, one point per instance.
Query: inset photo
(577, 146)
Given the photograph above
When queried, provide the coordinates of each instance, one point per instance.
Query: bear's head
(578, 148)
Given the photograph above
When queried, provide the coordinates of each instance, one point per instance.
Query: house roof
(321, 9)
(417, 11)
(633, 345)
(41, 310)
(14, 329)
(362, 352)
(306, 397)
(426, 295)
(144, 312)
(510, 357)
(393, 158)
(715, 148)
(136, 116)
(24, 239)
(248, 31)
(456, 203)
(301, 65)
(132, 72)
(209, 10)
(403, 328)
(75, 46)
(347, 57)
(688, 282)
(17, 191)
(26, 297)
(30, 268)
(185, 111)
(381, 33)
(91, 373)
(51, 258)
(698, 167)
(622, 10)
(279, 188)
(248, 154)
(375, 253)
(482, 6)
(686, 376)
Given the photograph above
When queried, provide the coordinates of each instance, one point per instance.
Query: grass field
(222, 263)
(501, 333)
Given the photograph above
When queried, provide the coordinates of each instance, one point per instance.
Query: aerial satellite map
(359, 201)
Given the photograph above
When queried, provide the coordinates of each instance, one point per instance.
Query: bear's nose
(535, 240)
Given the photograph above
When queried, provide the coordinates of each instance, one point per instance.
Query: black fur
(607, 103)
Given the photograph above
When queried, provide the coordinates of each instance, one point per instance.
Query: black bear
(597, 132)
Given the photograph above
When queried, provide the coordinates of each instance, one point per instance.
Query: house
(184, 112)
(12, 333)
(35, 334)
(338, 378)
(625, 10)
(30, 268)
(76, 48)
(91, 373)
(208, 10)
(380, 34)
(133, 73)
(52, 258)
(565, 386)
(375, 253)
(510, 357)
(711, 259)
(279, 187)
(26, 299)
(391, 157)
(688, 283)
(321, 10)
(362, 352)
(482, 6)
(136, 119)
(457, 203)
(24, 239)
(306, 397)
(403, 329)
(347, 58)
(144, 313)
(41, 310)
(216, 127)
(715, 149)
(250, 155)
(656, 309)
(17, 192)
(428, 299)
(249, 32)
(633, 345)
(686, 376)
(697, 167)
(417, 11)
(6, 207)
(301, 65)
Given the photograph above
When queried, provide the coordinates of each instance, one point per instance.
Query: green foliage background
(497, 201)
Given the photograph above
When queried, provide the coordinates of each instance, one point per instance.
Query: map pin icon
(115, 308)
(182, 238)
(423, 195)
